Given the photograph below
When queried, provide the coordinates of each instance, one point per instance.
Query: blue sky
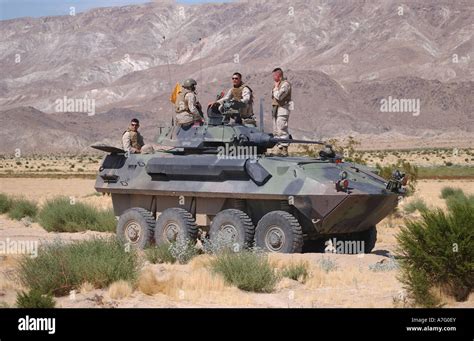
(37, 8)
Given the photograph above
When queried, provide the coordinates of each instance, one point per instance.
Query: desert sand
(353, 283)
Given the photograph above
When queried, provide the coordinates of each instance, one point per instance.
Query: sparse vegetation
(20, 208)
(348, 150)
(296, 271)
(437, 252)
(444, 172)
(34, 299)
(417, 204)
(60, 268)
(61, 215)
(247, 270)
(447, 192)
(327, 264)
(120, 290)
(5, 203)
(405, 167)
(160, 254)
(183, 250)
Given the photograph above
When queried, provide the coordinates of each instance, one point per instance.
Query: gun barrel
(276, 140)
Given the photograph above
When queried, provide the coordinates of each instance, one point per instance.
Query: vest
(237, 92)
(181, 105)
(135, 140)
(283, 101)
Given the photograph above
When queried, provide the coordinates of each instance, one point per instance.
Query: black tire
(234, 226)
(279, 231)
(173, 224)
(135, 227)
(369, 237)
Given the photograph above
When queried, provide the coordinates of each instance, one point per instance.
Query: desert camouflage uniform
(186, 109)
(281, 99)
(244, 94)
(132, 141)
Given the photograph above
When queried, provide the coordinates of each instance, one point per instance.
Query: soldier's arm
(226, 97)
(126, 141)
(191, 98)
(282, 92)
(246, 93)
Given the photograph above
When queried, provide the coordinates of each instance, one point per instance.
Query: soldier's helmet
(189, 83)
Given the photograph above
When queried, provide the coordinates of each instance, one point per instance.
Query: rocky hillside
(343, 58)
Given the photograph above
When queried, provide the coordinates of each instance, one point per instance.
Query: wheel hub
(171, 231)
(275, 238)
(133, 232)
(228, 233)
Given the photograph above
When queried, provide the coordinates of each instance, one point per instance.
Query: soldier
(281, 98)
(187, 107)
(242, 93)
(132, 140)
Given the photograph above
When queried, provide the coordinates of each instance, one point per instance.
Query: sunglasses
(235, 78)
(135, 124)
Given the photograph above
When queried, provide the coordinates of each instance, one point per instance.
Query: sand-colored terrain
(42, 189)
(353, 283)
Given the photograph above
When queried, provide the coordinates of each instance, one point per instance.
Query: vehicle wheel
(232, 227)
(369, 237)
(174, 224)
(279, 231)
(135, 227)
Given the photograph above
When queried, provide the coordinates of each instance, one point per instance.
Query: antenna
(200, 60)
(169, 77)
(167, 64)
(261, 115)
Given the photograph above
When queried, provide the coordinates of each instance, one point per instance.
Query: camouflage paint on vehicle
(192, 175)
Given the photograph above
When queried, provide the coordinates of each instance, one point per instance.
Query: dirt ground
(354, 282)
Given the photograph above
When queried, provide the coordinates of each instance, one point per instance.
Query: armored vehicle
(217, 181)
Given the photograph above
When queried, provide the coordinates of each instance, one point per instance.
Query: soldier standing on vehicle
(132, 140)
(281, 99)
(187, 107)
(242, 93)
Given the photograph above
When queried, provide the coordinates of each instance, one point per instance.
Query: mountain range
(343, 59)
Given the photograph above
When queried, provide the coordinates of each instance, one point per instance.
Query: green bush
(21, 208)
(296, 271)
(447, 192)
(415, 205)
(438, 252)
(5, 203)
(34, 299)
(160, 254)
(459, 198)
(60, 215)
(247, 270)
(181, 251)
(60, 268)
